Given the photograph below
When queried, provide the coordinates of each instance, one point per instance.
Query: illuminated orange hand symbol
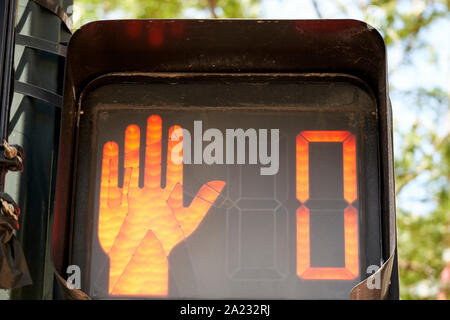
(138, 227)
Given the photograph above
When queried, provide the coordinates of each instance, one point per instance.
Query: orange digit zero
(304, 269)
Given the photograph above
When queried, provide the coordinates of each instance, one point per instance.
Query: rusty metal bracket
(8, 206)
(11, 157)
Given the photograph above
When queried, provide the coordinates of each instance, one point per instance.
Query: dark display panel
(273, 199)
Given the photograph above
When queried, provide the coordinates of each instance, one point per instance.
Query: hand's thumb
(189, 218)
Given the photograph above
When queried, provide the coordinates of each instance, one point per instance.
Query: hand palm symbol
(138, 227)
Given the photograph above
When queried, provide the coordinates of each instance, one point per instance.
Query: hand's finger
(111, 211)
(152, 177)
(189, 218)
(109, 193)
(131, 157)
(147, 273)
(174, 173)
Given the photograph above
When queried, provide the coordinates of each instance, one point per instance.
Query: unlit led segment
(351, 269)
(138, 227)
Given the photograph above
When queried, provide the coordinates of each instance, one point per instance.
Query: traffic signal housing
(227, 159)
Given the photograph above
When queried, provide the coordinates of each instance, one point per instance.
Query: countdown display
(256, 189)
(350, 194)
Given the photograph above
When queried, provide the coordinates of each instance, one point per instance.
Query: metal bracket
(8, 206)
(38, 93)
(14, 163)
(41, 44)
(58, 11)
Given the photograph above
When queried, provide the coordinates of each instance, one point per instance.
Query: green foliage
(89, 10)
(400, 23)
(422, 156)
(422, 240)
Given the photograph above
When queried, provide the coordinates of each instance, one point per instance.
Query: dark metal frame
(39, 74)
(222, 46)
(7, 32)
